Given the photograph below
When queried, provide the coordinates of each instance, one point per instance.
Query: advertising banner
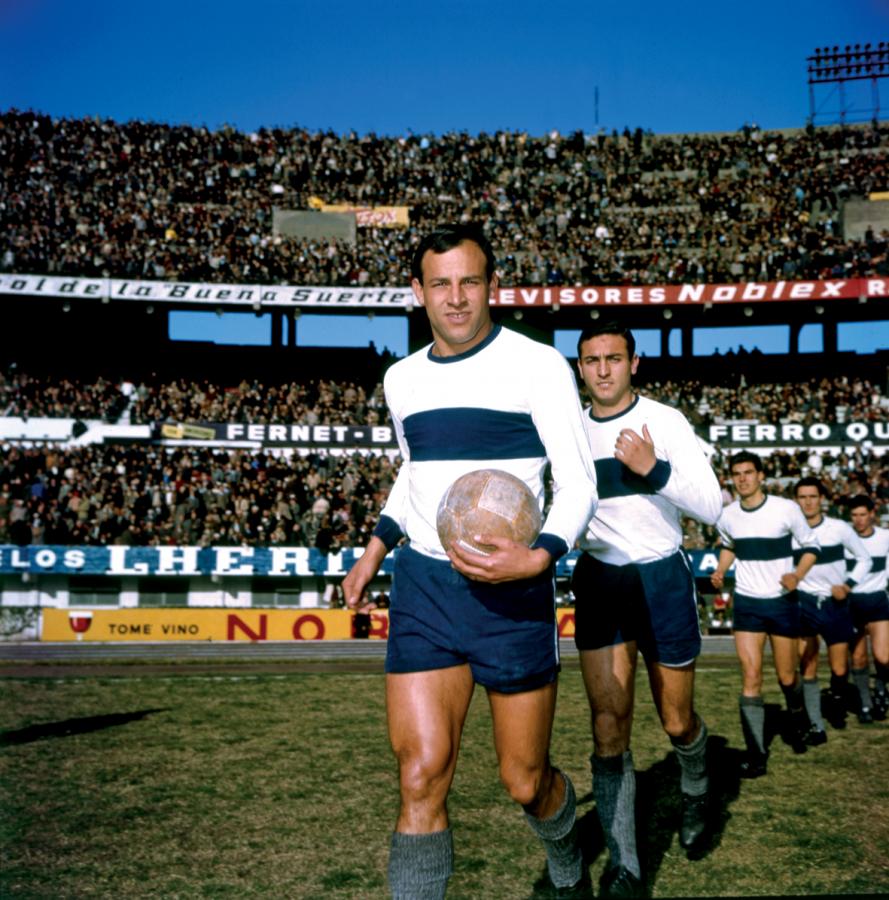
(751, 292)
(193, 624)
(746, 434)
(222, 561)
(283, 435)
(270, 297)
(181, 624)
(372, 216)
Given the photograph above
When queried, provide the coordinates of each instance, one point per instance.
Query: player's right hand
(717, 579)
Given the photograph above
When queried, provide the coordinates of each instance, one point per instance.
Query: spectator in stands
(90, 197)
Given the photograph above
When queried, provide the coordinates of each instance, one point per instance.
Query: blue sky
(394, 67)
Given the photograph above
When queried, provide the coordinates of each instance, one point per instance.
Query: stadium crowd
(317, 402)
(144, 494)
(155, 201)
(194, 496)
(330, 402)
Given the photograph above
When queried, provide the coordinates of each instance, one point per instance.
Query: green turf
(282, 786)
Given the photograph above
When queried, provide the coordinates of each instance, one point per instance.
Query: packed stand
(152, 201)
(143, 494)
(330, 402)
(316, 402)
(140, 495)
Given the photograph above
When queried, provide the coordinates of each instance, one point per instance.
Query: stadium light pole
(838, 66)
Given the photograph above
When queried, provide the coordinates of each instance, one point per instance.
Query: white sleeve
(692, 486)
(558, 416)
(722, 528)
(396, 505)
(800, 529)
(856, 550)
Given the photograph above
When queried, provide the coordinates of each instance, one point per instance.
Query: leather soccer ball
(487, 501)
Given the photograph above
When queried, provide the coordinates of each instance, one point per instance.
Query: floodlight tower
(840, 65)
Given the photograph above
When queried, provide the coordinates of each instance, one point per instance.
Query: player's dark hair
(860, 500)
(596, 329)
(446, 237)
(745, 456)
(810, 481)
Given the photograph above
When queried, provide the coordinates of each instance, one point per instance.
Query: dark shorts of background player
(772, 615)
(870, 607)
(505, 632)
(832, 619)
(654, 604)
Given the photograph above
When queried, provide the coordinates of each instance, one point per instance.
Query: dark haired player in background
(758, 530)
(634, 590)
(824, 607)
(870, 613)
(479, 396)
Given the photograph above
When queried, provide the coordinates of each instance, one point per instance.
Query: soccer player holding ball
(634, 591)
(478, 397)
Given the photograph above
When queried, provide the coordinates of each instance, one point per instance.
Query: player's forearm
(806, 561)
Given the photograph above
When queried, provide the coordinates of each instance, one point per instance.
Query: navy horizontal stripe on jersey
(831, 554)
(877, 564)
(614, 479)
(757, 548)
(471, 433)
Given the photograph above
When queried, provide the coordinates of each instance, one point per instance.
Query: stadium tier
(141, 471)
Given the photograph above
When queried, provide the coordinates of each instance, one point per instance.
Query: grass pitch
(282, 786)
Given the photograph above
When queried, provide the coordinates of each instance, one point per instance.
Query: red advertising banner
(693, 294)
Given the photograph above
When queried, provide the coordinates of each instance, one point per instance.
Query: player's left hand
(840, 591)
(635, 452)
(509, 561)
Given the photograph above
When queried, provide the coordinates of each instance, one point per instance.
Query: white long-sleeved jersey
(510, 403)
(877, 546)
(638, 519)
(837, 539)
(762, 541)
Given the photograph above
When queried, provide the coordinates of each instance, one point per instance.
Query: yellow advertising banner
(196, 624)
(372, 216)
(187, 624)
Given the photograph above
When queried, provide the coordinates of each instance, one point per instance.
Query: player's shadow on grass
(67, 727)
(659, 804)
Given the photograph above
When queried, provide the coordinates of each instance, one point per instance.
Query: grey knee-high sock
(861, 677)
(420, 865)
(693, 763)
(614, 787)
(753, 723)
(558, 834)
(812, 699)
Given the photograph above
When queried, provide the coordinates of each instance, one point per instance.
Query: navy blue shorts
(438, 618)
(773, 615)
(832, 619)
(654, 604)
(872, 607)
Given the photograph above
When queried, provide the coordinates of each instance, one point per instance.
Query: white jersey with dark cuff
(762, 541)
(837, 539)
(638, 519)
(877, 547)
(510, 403)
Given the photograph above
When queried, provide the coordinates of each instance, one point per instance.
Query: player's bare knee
(523, 784)
(423, 777)
(787, 679)
(680, 727)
